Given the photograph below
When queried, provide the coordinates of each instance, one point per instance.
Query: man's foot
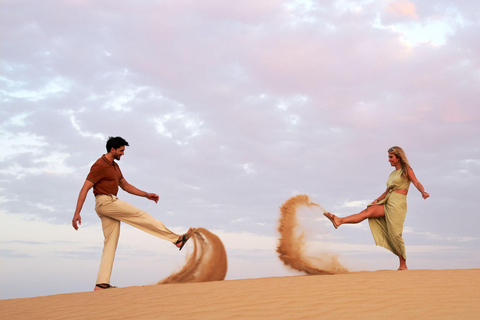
(331, 217)
(103, 286)
(182, 240)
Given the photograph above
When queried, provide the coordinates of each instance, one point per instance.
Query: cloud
(403, 8)
(231, 110)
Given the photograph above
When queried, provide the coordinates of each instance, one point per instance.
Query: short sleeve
(96, 173)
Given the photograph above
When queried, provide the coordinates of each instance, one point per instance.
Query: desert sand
(412, 294)
(328, 291)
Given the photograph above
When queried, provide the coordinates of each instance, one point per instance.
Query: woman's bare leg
(375, 211)
(403, 264)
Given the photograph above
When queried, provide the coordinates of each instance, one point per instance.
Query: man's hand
(76, 221)
(153, 196)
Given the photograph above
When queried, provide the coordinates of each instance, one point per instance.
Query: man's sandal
(183, 240)
(104, 286)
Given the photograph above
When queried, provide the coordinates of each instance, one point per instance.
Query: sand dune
(413, 294)
(329, 292)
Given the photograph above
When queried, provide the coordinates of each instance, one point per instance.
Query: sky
(230, 109)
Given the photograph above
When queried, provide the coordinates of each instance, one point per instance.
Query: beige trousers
(111, 211)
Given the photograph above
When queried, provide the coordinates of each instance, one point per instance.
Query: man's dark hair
(115, 143)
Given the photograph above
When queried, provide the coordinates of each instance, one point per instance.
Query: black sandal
(183, 241)
(104, 286)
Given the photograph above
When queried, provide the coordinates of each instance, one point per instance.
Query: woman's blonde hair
(400, 154)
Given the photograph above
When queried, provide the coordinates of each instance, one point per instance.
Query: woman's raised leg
(375, 211)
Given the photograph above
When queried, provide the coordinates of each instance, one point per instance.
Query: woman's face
(393, 160)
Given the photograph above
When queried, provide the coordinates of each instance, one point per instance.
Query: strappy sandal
(330, 217)
(183, 240)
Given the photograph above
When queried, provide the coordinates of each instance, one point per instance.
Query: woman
(386, 214)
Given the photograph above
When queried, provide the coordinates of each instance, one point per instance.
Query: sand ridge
(420, 294)
(329, 292)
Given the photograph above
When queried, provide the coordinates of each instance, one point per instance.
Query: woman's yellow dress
(387, 231)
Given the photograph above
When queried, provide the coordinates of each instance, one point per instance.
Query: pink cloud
(403, 8)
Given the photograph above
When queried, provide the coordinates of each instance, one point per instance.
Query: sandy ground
(413, 294)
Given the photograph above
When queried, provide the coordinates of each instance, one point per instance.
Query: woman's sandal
(330, 217)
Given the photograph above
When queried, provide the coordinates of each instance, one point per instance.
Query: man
(105, 177)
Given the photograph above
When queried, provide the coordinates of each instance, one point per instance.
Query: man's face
(118, 153)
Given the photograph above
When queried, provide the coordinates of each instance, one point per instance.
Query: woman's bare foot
(403, 264)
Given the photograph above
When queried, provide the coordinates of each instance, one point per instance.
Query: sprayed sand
(329, 292)
(208, 261)
(413, 294)
(291, 247)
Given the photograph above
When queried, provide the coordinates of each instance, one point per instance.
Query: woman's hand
(425, 195)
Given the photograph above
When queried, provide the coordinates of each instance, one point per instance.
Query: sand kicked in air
(291, 247)
(208, 261)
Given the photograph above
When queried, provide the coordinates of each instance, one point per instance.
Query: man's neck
(109, 156)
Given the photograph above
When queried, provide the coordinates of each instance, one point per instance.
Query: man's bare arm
(77, 219)
(135, 191)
